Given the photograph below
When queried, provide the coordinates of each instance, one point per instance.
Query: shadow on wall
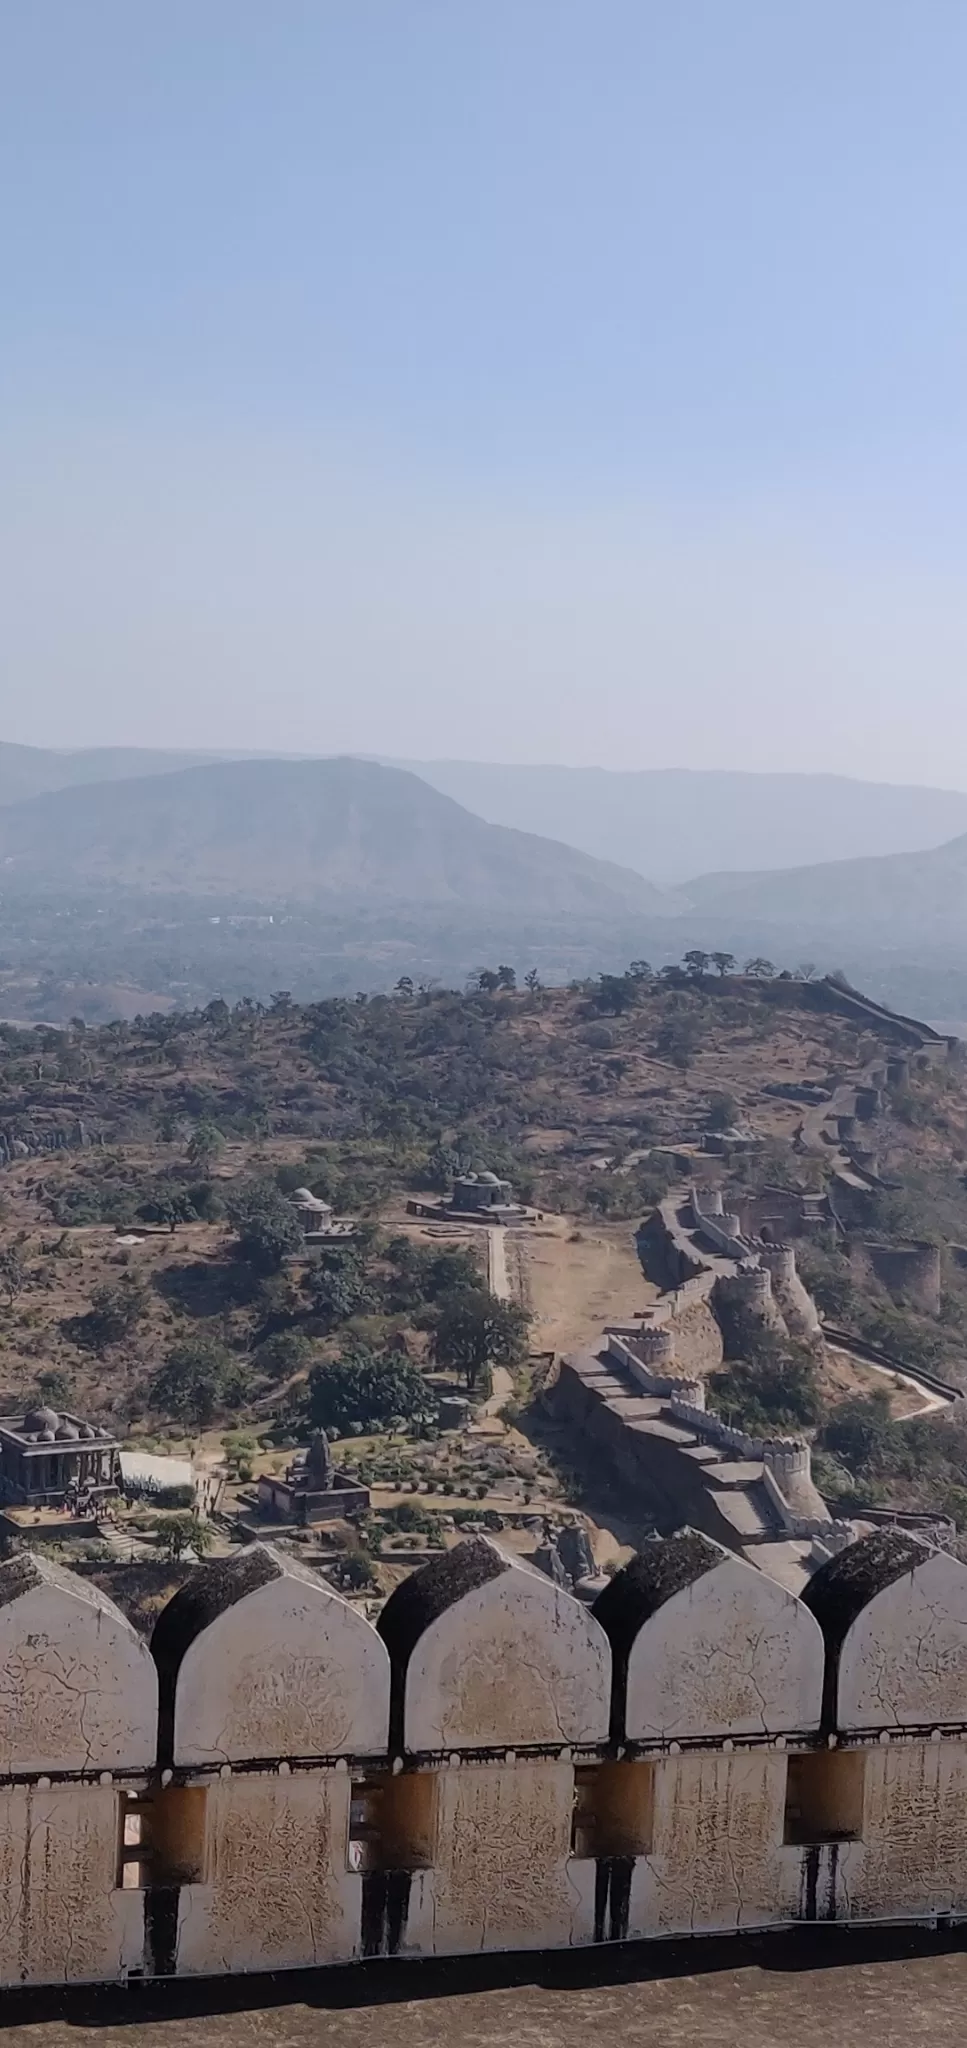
(282, 1785)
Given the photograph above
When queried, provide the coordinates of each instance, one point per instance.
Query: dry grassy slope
(545, 1085)
(507, 1061)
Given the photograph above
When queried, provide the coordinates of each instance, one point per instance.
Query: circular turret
(787, 1457)
(750, 1288)
(655, 1347)
(779, 1261)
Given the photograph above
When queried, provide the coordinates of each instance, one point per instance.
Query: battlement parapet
(470, 1774)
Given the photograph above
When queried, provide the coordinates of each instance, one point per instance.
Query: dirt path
(909, 1397)
(499, 1277)
(502, 1387)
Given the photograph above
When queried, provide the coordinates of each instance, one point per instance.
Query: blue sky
(529, 381)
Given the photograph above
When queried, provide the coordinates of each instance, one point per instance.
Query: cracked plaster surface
(289, 1670)
(514, 1662)
(78, 1687)
(903, 1661)
(732, 1654)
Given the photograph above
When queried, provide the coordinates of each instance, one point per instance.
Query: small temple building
(51, 1460)
(482, 1197)
(312, 1490)
(314, 1214)
(473, 1192)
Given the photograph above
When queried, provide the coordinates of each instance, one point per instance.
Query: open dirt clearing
(576, 1280)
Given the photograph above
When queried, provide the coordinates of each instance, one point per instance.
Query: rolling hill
(909, 896)
(341, 831)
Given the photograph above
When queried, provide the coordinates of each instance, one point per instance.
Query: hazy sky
(576, 380)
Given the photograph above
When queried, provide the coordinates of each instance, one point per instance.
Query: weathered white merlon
(276, 1783)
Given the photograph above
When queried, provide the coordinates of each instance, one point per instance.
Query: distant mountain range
(913, 896)
(668, 824)
(672, 823)
(340, 831)
(349, 836)
(31, 771)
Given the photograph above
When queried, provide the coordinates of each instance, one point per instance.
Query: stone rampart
(276, 1784)
(723, 1231)
(794, 1302)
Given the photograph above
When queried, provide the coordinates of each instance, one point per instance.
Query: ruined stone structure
(276, 1783)
(24, 1142)
(910, 1273)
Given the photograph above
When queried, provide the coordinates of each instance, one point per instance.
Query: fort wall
(494, 1767)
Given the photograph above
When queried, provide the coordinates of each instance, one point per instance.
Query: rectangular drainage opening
(162, 1836)
(393, 1822)
(614, 1810)
(824, 1797)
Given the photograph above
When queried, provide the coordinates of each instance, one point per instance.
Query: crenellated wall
(280, 1784)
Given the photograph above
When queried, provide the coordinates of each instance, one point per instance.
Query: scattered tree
(283, 1354)
(54, 1387)
(169, 1206)
(197, 1378)
(114, 1314)
(338, 1285)
(267, 1227)
(775, 1386)
(475, 1329)
(722, 1112)
(13, 1274)
(615, 993)
(679, 1041)
(204, 1147)
(364, 1390)
(181, 1532)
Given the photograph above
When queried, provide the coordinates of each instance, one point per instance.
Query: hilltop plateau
(145, 1211)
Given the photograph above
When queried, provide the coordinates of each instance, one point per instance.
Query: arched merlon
(705, 1646)
(894, 1616)
(488, 1653)
(79, 1689)
(258, 1657)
